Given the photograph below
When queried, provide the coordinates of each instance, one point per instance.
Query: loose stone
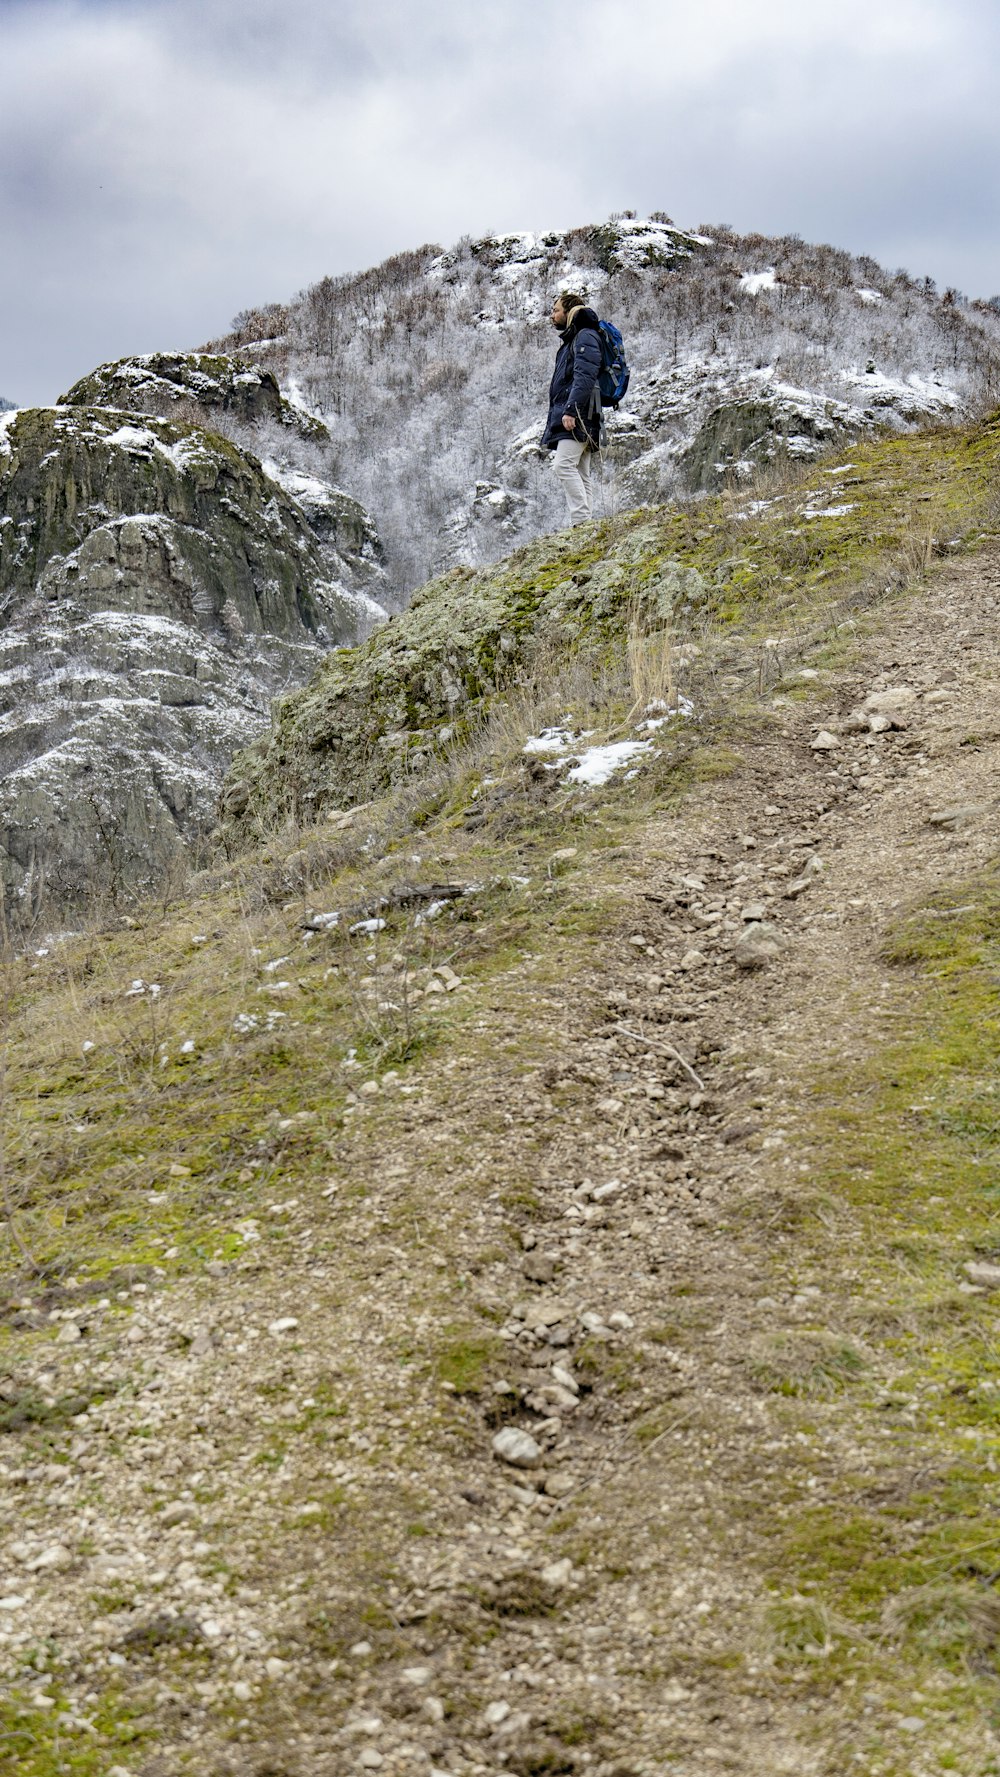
(517, 1448)
(759, 944)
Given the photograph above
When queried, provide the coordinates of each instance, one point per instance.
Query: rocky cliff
(168, 383)
(157, 587)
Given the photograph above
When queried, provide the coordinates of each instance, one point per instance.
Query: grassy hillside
(749, 569)
(302, 1211)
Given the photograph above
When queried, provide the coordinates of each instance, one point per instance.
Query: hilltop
(184, 535)
(430, 371)
(505, 1266)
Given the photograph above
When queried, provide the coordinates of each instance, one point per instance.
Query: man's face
(558, 314)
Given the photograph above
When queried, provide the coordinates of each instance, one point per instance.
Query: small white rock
(988, 1275)
(286, 1324)
(601, 1193)
(52, 1560)
(495, 1713)
(518, 1448)
(591, 1321)
(558, 1573)
(565, 1378)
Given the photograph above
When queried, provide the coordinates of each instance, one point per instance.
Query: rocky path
(295, 1547)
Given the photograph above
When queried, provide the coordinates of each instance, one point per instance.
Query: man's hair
(571, 301)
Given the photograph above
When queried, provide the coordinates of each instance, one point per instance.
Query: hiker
(573, 428)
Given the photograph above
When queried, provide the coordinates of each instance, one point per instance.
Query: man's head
(563, 307)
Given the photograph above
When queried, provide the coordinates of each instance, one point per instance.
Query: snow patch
(133, 438)
(598, 764)
(551, 740)
(753, 282)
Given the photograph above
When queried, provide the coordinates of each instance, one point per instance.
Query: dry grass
(649, 656)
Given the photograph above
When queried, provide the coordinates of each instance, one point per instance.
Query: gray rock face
(172, 383)
(157, 588)
(742, 434)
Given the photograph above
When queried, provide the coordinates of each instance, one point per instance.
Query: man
(573, 427)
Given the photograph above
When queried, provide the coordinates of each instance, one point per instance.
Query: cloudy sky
(165, 163)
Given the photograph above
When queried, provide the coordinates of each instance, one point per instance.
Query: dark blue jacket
(574, 380)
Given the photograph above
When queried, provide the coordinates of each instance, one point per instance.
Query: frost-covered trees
(431, 370)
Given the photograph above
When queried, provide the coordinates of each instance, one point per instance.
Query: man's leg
(585, 462)
(568, 470)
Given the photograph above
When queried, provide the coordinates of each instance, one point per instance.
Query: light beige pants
(572, 470)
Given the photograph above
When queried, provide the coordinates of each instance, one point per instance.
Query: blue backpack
(614, 373)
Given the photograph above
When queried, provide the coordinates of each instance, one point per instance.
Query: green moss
(24, 1408)
(37, 1743)
(803, 1363)
(465, 1358)
(907, 1141)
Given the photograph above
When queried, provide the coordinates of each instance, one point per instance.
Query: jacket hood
(580, 317)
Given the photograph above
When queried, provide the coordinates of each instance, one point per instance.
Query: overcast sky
(165, 163)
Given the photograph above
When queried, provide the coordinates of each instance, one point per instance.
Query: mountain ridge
(430, 370)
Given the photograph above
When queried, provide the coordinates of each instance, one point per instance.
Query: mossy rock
(371, 714)
(163, 516)
(374, 715)
(162, 382)
(760, 431)
(156, 589)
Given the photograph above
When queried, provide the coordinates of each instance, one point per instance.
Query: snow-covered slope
(430, 371)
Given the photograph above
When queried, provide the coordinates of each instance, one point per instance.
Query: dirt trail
(603, 1609)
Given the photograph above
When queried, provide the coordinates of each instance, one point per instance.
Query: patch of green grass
(23, 1408)
(35, 1742)
(465, 1358)
(804, 1363)
(908, 1551)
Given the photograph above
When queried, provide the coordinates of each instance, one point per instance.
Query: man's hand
(569, 422)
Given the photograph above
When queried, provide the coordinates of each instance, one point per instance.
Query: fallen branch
(664, 1048)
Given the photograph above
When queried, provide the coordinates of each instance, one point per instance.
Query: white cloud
(169, 162)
